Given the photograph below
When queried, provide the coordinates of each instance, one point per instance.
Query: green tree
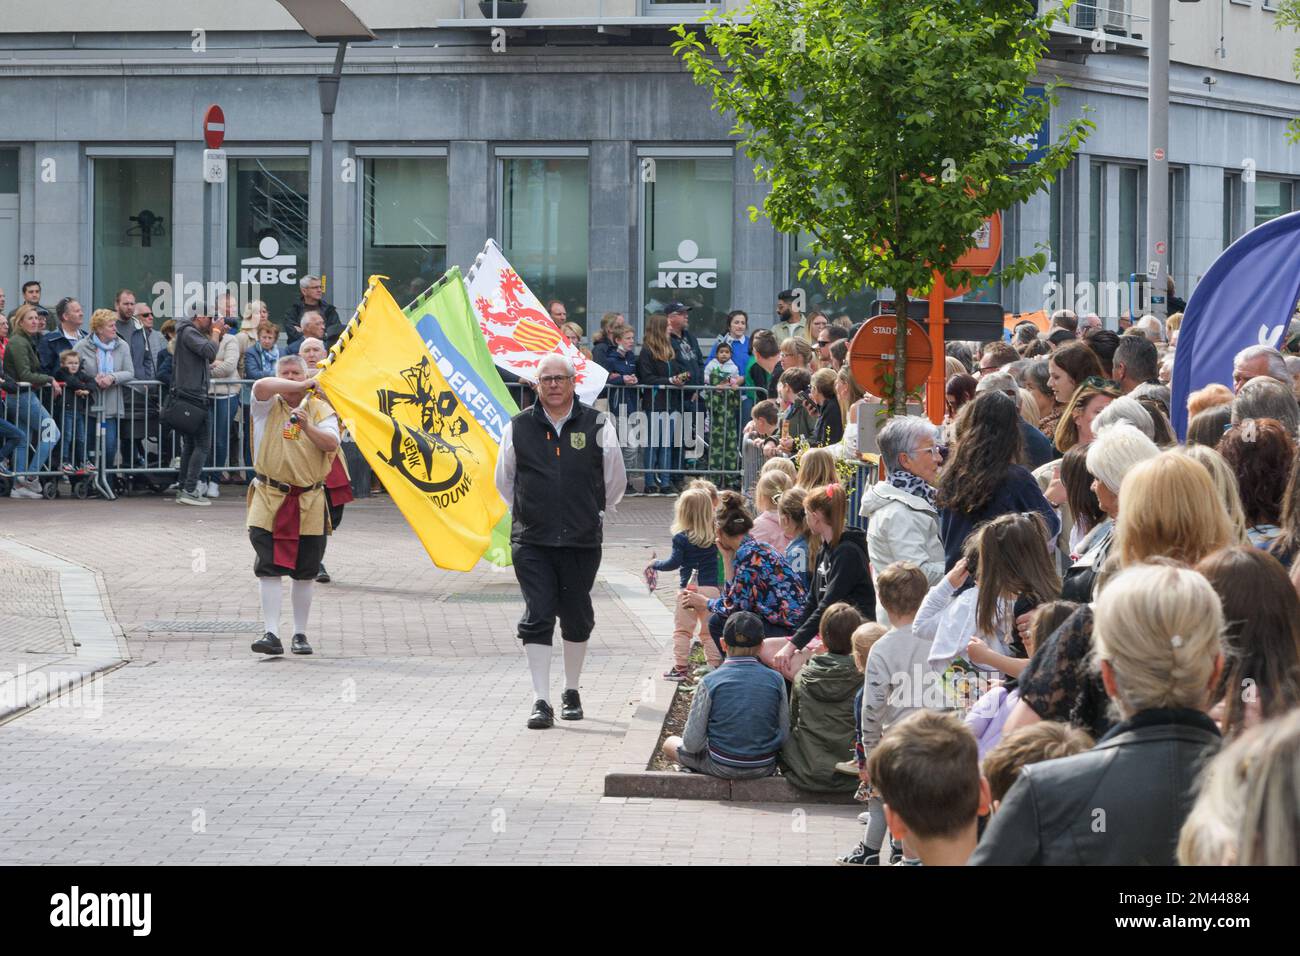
(1288, 15)
(887, 129)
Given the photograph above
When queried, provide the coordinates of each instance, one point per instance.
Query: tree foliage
(1288, 15)
(887, 129)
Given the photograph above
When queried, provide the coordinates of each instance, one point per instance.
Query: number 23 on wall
(29, 259)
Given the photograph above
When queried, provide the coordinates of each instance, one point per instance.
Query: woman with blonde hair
(1156, 649)
(796, 353)
(1171, 510)
(1166, 508)
(1225, 483)
(816, 468)
(1248, 809)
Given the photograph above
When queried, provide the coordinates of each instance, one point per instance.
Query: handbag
(186, 412)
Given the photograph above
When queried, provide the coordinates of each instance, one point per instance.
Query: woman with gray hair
(1126, 409)
(902, 520)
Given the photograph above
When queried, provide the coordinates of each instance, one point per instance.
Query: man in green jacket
(24, 408)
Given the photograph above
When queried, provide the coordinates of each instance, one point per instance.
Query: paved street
(401, 741)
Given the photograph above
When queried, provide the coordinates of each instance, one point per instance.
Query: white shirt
(260, 411)
(612, 462)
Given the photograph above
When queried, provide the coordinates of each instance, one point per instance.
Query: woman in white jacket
(902, 521)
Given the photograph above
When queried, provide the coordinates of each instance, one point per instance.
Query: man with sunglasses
(560, 471)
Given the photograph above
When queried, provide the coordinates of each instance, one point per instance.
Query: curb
(699, 786)
(86, 610)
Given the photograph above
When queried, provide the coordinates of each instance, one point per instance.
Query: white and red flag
(518, 330)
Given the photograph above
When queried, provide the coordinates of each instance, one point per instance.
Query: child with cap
(739, 714)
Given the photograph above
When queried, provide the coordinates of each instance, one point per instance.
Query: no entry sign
(214, 126)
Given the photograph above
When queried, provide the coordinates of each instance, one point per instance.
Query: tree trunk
(898, 401)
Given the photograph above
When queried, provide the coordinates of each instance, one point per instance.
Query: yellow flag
(434, 458)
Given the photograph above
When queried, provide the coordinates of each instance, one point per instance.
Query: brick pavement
(401, 741)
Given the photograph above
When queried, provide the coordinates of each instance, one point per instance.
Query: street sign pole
(214, 171)
(1157, 258)
(934, 387)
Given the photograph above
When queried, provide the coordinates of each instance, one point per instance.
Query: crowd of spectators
(1017, 645)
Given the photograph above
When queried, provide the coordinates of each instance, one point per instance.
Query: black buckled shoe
(269, 644)
(299, 644)
(570, 706)
(322, 576)
(542, 716)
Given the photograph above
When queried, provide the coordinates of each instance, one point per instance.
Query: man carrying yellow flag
(434, 458)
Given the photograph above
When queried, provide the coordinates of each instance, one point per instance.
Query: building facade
(573, 137)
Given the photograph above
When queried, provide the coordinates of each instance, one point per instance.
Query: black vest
(559, 479)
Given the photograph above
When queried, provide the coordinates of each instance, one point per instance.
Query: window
(404, 222)
(8, 170)
(268, 232)
(1273, 198)
(661, 8)
(132, 226)
(544, 227)
(686, 221)
(858, 305)
(1232, 194)
(1132, 212)
(1096, 220)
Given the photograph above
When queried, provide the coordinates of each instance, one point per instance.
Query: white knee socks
(271, 598)
(575, 652)
(300, 595)
(539, 668)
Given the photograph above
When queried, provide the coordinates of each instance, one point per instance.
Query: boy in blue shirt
(739, 714)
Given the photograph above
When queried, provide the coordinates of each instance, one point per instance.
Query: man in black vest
(561, 472)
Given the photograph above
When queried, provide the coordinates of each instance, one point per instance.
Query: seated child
(927, 772)
(803, 547)
(896, 672)
(767, 524)
(821, 707)
(1045, 740)
(864, 638)
(695, 553)
(784, 465)
(739, 713)
(991, 711)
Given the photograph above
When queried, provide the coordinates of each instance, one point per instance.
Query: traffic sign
(214, 126)
(214, 165)
(1159, 153)
(871, 354)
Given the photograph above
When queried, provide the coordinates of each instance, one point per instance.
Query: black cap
(743, 629)
(674, 307)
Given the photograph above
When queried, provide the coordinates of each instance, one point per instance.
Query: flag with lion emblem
(434, 458)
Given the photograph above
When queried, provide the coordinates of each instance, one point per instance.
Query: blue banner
(1246, 298)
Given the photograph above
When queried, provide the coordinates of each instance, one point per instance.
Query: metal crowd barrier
(675, 433)
(668, 434)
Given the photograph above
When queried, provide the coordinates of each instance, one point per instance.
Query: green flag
(445, 320)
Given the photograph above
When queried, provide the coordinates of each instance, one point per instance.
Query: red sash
(285, 533)
(337, 486)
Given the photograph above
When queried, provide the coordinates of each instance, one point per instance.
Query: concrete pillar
(469, 215)
(59, 195)
(613, 185)
(756, 250)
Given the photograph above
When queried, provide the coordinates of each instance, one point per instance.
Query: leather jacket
(1120, 804)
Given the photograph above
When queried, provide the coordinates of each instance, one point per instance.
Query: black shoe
(570, 705)
(269, 644)
(860, 855)
(629, 490)
(299, 644)
(322, 576)
(542, 716)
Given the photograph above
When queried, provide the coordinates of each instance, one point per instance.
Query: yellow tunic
(295, 462)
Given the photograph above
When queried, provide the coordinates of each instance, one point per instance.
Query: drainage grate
(205, 627)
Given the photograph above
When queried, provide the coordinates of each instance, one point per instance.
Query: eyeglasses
(823, 343)
(144, 315)
(554, 379)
